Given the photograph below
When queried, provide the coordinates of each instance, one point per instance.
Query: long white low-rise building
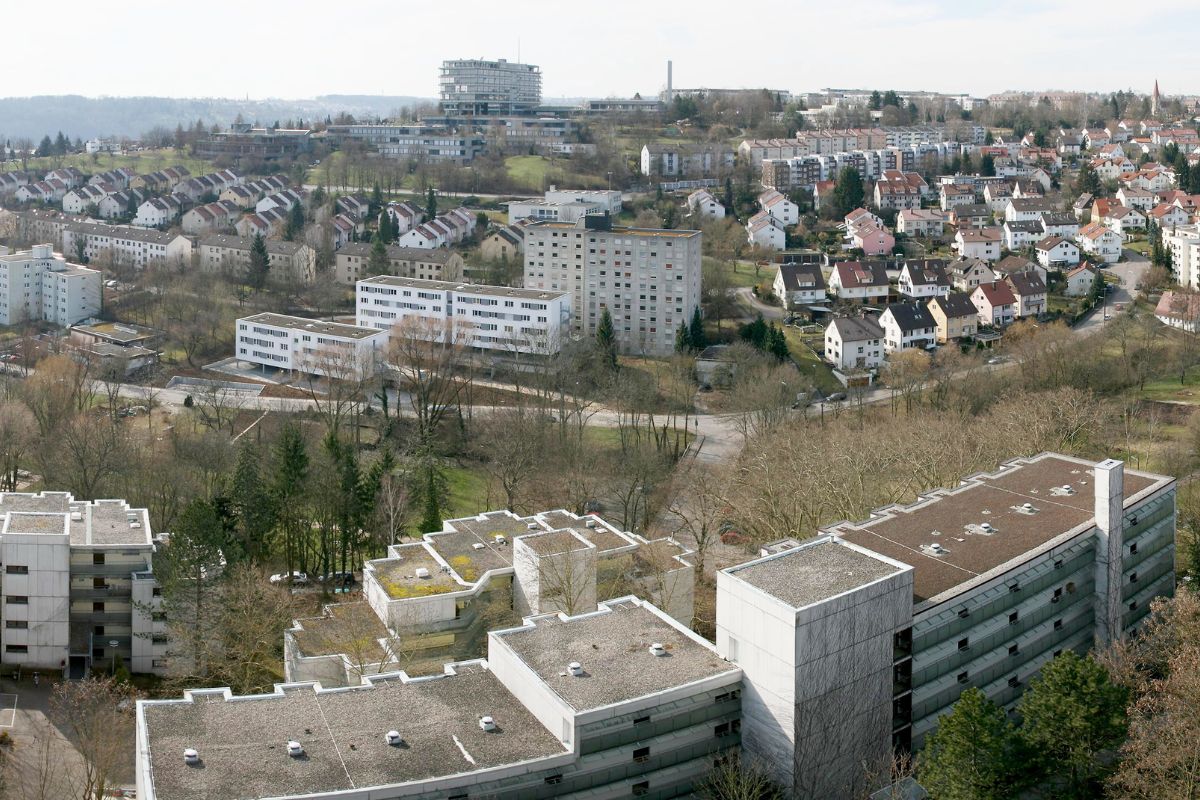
(472, 315)
(311, 346)
(38, 284)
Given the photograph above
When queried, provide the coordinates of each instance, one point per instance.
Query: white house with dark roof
(1054, 252)
(907, 326)
(854, 343)
(799, 285)
(920, 281)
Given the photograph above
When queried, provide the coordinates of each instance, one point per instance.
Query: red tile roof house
(995, 302)
(1179, 310)
(853, 281)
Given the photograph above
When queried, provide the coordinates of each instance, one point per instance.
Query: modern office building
(39, 285)
(830, 653)
(78, 585)
(647, 279)
(417, 142)
(469, 315)
(473, 87)
(309, 346)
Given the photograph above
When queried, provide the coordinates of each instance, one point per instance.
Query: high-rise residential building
(473, 87)
(37, 284)
(648, 279)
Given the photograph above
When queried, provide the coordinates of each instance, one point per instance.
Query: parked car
(297, 578)
(339, 578)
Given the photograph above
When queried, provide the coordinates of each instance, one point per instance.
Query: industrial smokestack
(670, 92)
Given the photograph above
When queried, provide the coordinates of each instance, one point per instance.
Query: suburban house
(983, 243)
(1018, 235)
(854, 343)
(1055, 253)
(872, 239)
(954, 316)
(1099, 242)
(1059, 223)
(1167, 216)
(503, 243)
(1079, 281)
(1082, 205)
(354, 206)
(703, 203)
(1027, 209)
(997, 195)
(1011, 265)
(918, 281)
(952, 195)
(84, 199)
(968, 217)
(856, 282)
(778, 206)
(763, 230)
(967, 273)
(907, 326)
(158, 211)
(1124, 220)
(1141, 199)
(1178, 309)
(1030, 291)
(798, 285)
(211, 217)
(920, 223)
(121, 204)
(896, 190)
(995, 303)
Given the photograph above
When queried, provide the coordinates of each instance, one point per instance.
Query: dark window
(641, 720)
(1014, 681)
(641, 754)
(97, 652)
(1057, 653)
(98, 583)
(1014, 649)
(156, 591)
(1133, 606)
(16, 624)
(16, 600)
(16, 648)
(1012, 618)
(98, 607)
(98, 559)
(641, 789)
(1133, 577)
(1058, 564)
(16, 569)
(963, 677)
(1058, 624)
(553, 779)
(963, 644)
(963, 613)
(98, 630)
(1014, 587)
(1133, 548)
(1057, 595)
(721, 730)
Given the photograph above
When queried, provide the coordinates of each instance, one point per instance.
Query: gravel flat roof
(36, 522)
(813, 573)
(242, 742)
(614, 649)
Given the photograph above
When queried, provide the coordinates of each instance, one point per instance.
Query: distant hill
(85, 117)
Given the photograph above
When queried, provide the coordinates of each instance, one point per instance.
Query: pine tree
(251, 502)
(1087, 182)
(683, 342)
(778, 346)
(696, 336)
(260, 264)
(606, 340)
(45, 147)
(377, 261)
(287, 485)
(376, 201)
(971, 754)
(385, 227)
(729, 195)
(295, 223)
(987, 165)
(431, 204)
(431, 519)
(848, 191)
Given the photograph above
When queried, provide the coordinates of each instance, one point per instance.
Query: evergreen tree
(45, 147)
(431, 518)
(971, 755)
(848, 191)
(683, 342)
(431, 205)
(606, 340)
(287, 486)
(876, 101)
(729, 195)
(777, 343)
(61, 144)
(319, 196)
(260, 263)
(696, 336)
(1088, 182)
(967, 164)
(251, 502)
(1069, 715)
(385, 227)
(295, 223)
(376, 201)
(987, 166)
(377, 261)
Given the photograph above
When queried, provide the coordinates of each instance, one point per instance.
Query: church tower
(1155, 101)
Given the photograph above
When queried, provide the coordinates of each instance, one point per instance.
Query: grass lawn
(468, 489)
(1169, 389)
(141, 162)
(1140, 246)
(809, 365)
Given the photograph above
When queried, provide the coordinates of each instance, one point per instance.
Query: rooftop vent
(77, 516)
(575, 668)
(657, 649)
(295, 749)
(533, 526)
(501, 539)
(934, 549)
(986, 527)
(190, 756)
(1065, 489)
(478, 546)
(487, 723)
(591, 523)
(393, 738)
(422, 572)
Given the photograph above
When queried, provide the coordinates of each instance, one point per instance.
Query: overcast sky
(304, 48)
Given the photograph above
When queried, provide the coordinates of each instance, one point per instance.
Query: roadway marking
(8, 710)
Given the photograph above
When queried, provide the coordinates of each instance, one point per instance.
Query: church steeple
(1155, 100)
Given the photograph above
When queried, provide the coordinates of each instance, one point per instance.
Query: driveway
(746, 300)
(1130, 273)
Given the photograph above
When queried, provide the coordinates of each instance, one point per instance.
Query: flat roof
(341, 628)
(96, 524)
(312, 325)
(952, 518)
(35, 522)
(674, 234)
(813, 572)
(242, 742)
(555, 542)
(613, 647)
(460, 286)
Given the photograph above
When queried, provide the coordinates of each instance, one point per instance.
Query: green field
(141, 162)
(809, 365)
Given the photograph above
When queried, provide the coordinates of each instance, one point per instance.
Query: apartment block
(474, 87)
(309, 346)
(648, 279)
(38, 284)
(293, 261)
(437, 264)
(78, 585)
(484, 317)
(125, 245)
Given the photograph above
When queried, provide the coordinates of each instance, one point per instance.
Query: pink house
(873, 240)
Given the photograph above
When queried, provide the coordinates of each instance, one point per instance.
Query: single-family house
(974, 216)
(1030, 290)
(907, 326)
(1018, 235)
(1141, 199)
(856, 282)
(920, 222)
(1059, 223)
(967, 273)
(764, 230)
(780, 207)
(1011, 265)
(995, 303)
(919, 281)
(799, 285)
(1027, 209)
(996, 195)
(701, 202)
(954, 316)
(983, 243)
(1082, 205)
(873, 240)
(1099, 242)
(1056, 253)
(854, 343)
(158, 211)
(1167, 216)
(1079, 281)
(1124, 220)
(1179, 309)
(953, 195)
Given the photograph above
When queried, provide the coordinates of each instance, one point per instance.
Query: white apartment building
(1184, 244)
(471, 315)
(126, 245)
(609, 200)
(309, 346)
(37, 284)
(537, 209)
(703, 203)
(78, 585)
(647, 279)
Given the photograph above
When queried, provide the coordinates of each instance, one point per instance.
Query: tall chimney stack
(670, 89)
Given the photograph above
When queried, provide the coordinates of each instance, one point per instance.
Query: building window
(98, 559)
(963, 677)
(98, 583)
(641, 754)
(552, 780)
(1133, 548)
(16, 624)
(16, 569)
(16, 648)
(641, 720)
(1014, 649)
(1133, 577)
(98, 607)
(964, 643)
(1014, 587)
(1133, 606)
(1013, 617)
(16, 600)
(1014, 681)
(1058, 624)
(963, 613)
(641, 789)
(1058, 564)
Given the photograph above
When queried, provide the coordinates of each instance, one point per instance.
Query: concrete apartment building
(38, 284)
(294, 261)
(426, 143)
(829, 653)
(125, 245)
(78, 585)
(309, 346)
(1184, 244)
(484, 317)
(648, 279)
(438, 264)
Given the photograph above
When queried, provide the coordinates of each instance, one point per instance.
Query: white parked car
(297, 578)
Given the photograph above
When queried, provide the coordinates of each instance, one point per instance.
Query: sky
(304, 48)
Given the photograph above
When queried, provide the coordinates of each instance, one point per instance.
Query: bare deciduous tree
(97, 715)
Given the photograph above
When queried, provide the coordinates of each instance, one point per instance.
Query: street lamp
(112, 643)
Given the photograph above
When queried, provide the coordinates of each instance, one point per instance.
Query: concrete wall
(47, 637)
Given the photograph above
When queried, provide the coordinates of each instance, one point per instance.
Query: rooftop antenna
(518, 49)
